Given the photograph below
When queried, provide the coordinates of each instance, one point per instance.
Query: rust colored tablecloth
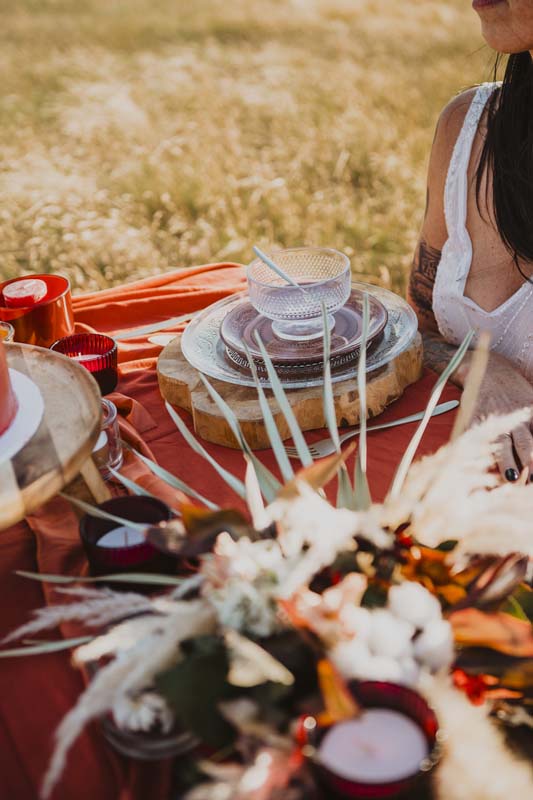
(37, 691)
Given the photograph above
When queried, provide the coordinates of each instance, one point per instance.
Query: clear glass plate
(204, 349)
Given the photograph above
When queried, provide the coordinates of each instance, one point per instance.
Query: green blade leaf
(233, 482)
(409, 454)
(131, 577)
(45, 647)
(269, 484)
(134, 487)
(171, 479)
(276, 442)
(345, 491)
(362, 498)
(299, 442)
(328, 399)
(94, 511)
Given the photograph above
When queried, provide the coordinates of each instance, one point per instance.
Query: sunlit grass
(138, 136)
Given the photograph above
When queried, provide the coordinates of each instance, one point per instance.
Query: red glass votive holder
(96, 352)
(110, 550)
(48, 319)
(391, 697)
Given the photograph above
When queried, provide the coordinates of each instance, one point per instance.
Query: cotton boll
(434, 646)
(352, 659)
(413, 603)
(356, 621)
(410, 671)
(390, 636)
(381, 668)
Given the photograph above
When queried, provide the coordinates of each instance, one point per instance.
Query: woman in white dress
(473, 267)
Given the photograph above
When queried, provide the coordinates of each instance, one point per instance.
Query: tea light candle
(380, 746)
(24, 293)
(121, 537)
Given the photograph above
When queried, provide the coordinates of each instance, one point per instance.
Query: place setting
(282, 312)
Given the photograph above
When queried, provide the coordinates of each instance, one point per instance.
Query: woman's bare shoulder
(451, 120)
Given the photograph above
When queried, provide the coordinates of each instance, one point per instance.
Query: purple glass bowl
(96, 352)
(391, 696)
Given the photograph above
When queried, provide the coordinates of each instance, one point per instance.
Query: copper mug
(48, 320)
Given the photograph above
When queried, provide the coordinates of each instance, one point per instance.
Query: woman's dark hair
(508, 154)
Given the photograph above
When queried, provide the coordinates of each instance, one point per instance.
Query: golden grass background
(141, 135)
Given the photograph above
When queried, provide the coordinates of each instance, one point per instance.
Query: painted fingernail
(511, 474)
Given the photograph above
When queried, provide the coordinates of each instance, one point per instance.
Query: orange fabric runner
(38, 691)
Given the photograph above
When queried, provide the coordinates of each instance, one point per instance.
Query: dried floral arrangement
(429, 589)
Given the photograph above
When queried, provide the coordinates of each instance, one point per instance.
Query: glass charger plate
(204, 349)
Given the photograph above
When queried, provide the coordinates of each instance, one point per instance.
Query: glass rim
(329, 250)
(72, 337)
(7, 326)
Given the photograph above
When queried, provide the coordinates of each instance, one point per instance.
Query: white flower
(245, 607)
(142, 712)
(413, 603)
(352, 658)
(434, 646)
(410, 671)
(390, 636)
(356, 621)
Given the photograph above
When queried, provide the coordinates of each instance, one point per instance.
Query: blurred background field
(141, 135)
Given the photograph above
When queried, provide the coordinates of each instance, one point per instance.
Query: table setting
(289, 618)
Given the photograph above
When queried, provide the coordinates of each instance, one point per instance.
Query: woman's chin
(504, 42)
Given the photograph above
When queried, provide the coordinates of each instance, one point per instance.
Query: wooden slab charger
(63, 442)
(181, 386)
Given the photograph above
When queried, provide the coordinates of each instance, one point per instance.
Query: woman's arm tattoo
(423, 278)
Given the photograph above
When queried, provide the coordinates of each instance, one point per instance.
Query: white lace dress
(511, 323)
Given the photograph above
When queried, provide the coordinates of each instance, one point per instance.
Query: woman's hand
(504, 390)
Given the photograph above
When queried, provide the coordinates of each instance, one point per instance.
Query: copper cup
(49, 320)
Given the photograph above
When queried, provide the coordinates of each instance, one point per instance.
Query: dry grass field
(141, 135)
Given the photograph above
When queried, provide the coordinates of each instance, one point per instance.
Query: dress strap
(456, 190)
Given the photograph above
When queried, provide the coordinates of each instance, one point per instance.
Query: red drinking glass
(96, 352)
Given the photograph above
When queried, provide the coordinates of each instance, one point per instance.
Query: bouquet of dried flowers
(288, 602)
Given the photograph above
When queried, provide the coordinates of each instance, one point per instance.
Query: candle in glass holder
(121, 537)
(96, 352)
(385, 752)
(115, 548)
(378, 747)
(24, 293)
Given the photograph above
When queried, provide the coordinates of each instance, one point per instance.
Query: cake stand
(60, 448)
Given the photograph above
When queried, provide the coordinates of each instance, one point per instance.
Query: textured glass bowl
(325, 278)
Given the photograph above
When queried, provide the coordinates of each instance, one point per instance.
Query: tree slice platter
(181, 386)
(64, 440)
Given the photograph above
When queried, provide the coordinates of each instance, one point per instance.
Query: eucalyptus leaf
(405, 463)
(173, 481)
(279, 393)
(276, 442)
(195, 685)
(45, 647)
(130, 577)
(95, 511)
(345, 490)
(269, 484)
(233, 482)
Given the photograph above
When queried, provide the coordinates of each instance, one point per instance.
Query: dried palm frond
(439, 482)
(97, 608)
(146, 647)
